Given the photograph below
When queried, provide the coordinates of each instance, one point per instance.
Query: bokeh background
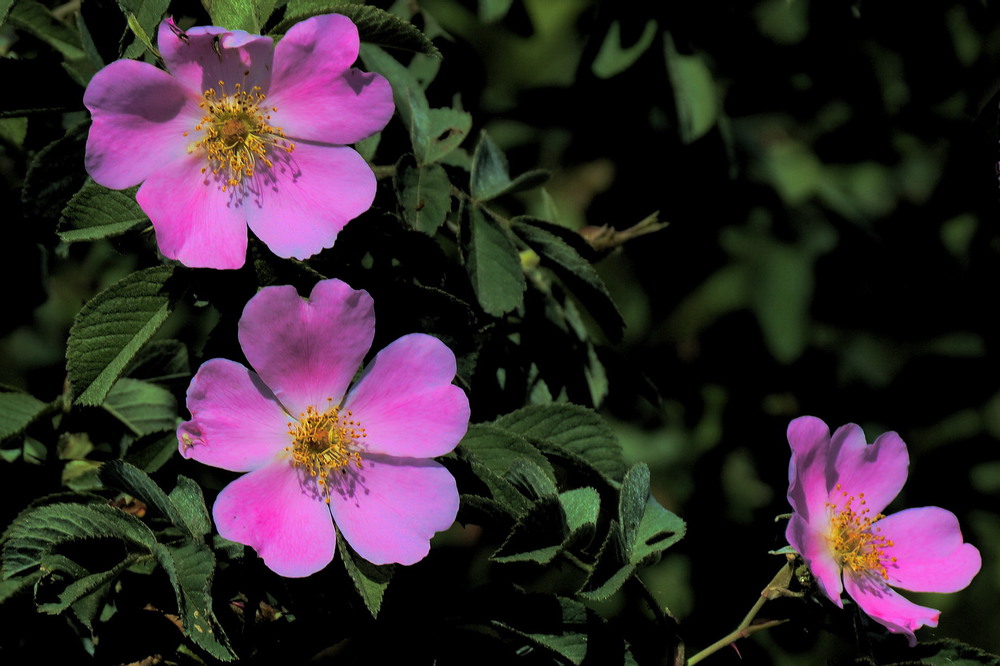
(828, 172)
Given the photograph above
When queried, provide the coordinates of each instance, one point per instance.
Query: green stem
(780, 581)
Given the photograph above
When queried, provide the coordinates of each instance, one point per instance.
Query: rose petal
(140, 115)
(317, 96)
(814, 548)
(237, 424)
(878, 470)
(389, 509)
(196, 223)
(406, 402)
(888, 608)
(308, 351)
(207, 55)
(287, 524)
(808, 482)
(298, 206)
(930, 555)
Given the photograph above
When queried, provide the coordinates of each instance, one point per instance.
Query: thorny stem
(776, 588)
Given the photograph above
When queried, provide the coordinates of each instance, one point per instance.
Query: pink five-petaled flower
(311, 448)
(838, 487)
(240, 132)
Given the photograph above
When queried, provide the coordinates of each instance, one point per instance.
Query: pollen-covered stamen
(325, 442)
(238, 135)
(855, 536)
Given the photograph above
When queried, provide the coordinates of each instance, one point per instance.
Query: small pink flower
(240, 132)
(838, 487)
(311, 448)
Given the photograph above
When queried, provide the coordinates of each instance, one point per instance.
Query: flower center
(324, 443)
(238, 135)
(855, 537)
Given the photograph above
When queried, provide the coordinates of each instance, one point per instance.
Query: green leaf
(248, 15)
(97, 212)
(434, 133)
(581, 507)
(82, 69)
(530, 479)
(660, 529)
(375, 26)
(152, 452)
(490, 174)
(556, 625)
(160, 361)
(143, 18)
(632, 502)
(612, 58)
(5, 6)
(38, 531)
(575, 272)
(695, 96)
(88, 584)
(184, 507)
(502, 491)
(498, 449)
(425, 196)
(537, 536)
(33, 17)
(55, 174)
(573, 428)
(190, 567)
(494, 265)
(491, 11)
(18, 411)
(111, 329)
(369, 580)
(143, 407)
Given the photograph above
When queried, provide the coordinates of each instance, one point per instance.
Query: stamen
(855, 537)
(237, 133)
(324, 443)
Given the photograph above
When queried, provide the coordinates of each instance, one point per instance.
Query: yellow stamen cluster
(237, 133)
(855, 538)
(324, 443)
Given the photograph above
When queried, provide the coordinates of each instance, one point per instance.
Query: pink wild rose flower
(838, 487)
(240, 132)
(311, 448)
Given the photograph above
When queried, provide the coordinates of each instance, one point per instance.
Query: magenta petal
(878, 470)
(389, 509)
(930, 555)
(808, 476)
(140, 115)
(308, 351)
(317, 94)
(406, 402)
(271, 511)
(207, 55)
(814, 548)
(196, 223)
(300, 205)
(236, 422)
(888, 608)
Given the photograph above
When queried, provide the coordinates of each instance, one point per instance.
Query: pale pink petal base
(888, 608)
(207, 55)
(389, 510)
(308, 351)
(298, 206)
(812, 545)
(406, 402)
(930, 555)
(236, 423)
(270, 510)
(196, 223)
